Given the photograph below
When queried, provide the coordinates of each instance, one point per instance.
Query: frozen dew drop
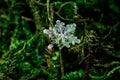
(50, 46)
(45, 31)
(78, 41)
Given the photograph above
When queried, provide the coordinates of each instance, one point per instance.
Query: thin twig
(24, 46)
(61, 64)
(26, 18)
(52, 13)
(108, 64)
(62, 17)
(64, 5)
(57, 13)
(105, 75)
(48, 13)
(113, 70)
(41, 4)
(110, 31)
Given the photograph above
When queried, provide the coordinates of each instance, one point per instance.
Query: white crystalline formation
(62, 35)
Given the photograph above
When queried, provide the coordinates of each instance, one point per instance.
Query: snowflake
(62, 35)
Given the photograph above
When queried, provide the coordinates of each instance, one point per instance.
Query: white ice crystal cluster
(62, 35)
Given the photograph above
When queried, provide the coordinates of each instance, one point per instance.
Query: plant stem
(48, 13)
(61, 64)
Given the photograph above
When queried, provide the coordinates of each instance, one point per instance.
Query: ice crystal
(62, 35)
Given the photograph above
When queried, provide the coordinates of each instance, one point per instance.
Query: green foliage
(56, 55)
(77, 75)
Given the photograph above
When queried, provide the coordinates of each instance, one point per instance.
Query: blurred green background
(23, 46)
